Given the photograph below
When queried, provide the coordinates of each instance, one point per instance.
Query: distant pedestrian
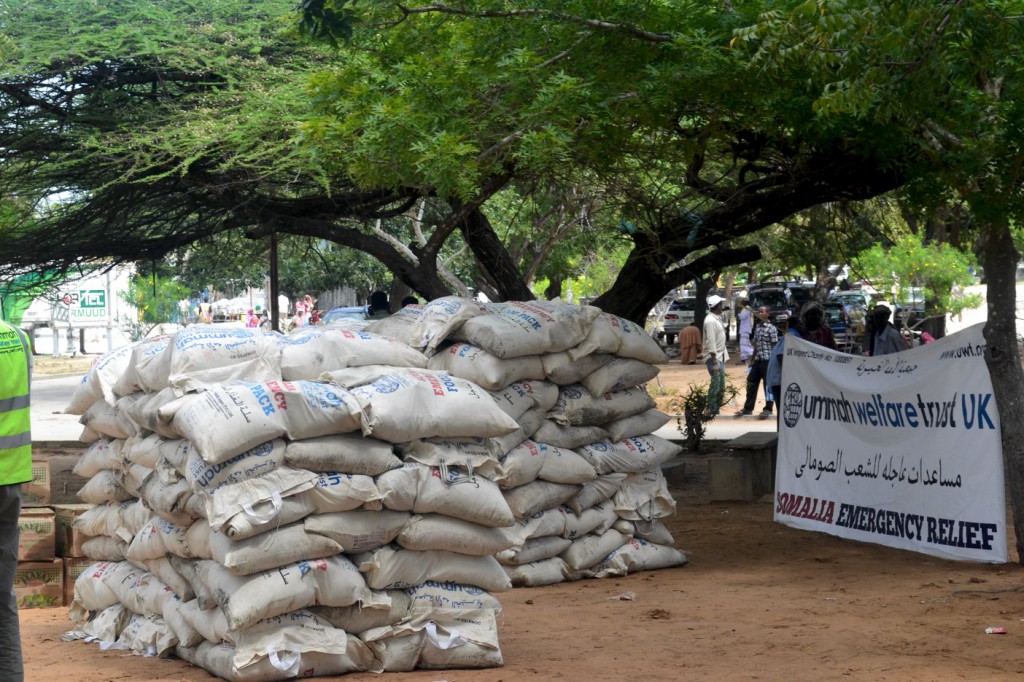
(379, 306)
(745, 331)
(885, 338)
(765, 338)
(815, 328)
(773, 374)
(251, 321)
(690, 344)
(715, 354)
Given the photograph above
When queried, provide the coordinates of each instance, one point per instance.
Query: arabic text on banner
(902, 450)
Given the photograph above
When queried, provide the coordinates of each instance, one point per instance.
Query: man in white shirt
(715, 354)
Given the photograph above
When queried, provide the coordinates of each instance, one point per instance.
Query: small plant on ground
(691, 412)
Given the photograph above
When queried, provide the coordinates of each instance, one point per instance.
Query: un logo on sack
(792, 401)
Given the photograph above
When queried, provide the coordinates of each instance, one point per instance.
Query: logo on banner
(792, 402)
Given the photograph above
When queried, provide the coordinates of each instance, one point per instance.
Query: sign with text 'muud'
(85, 307)
(901, 450)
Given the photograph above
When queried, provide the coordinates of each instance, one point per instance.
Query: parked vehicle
(680, 314)
(845, 328)
(854, 298)
(334, 314)
(776, 300)
(910, 309)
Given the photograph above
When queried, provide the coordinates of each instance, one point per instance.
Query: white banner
(901, 450)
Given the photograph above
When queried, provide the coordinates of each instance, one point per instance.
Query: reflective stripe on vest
(15, 416)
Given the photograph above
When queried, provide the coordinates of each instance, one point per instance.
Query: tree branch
(631, 30)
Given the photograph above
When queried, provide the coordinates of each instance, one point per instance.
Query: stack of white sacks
(270, 506)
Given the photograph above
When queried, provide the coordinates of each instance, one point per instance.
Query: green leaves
(326, 20)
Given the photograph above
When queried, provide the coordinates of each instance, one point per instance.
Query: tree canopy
(130, 150)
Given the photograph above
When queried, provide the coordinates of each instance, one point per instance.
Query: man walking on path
(765, 338)
(715, 353)
(15, 469)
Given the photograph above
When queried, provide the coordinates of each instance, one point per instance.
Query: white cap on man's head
(714, 300)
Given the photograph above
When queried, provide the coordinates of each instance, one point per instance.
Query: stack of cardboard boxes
(50, 555)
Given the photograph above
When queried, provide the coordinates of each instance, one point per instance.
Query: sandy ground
(758, 600)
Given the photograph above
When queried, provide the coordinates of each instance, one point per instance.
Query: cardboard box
(37, 534)
(69, 539)
(36, 493)
(73, 568)
(64, 485)
(39, 584)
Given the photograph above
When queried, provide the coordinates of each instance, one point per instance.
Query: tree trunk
(649, 281)
(1002, 356)
(498, 269)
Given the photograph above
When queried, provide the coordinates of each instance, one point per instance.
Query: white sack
(619, 374)
(547, 572)
(522, 464)
(519, 328)
(399, 325)
(521, 396)
(569, 437)
(527, 500)
(535, 549)
(576, 406)
(629, 455)
(246, 599)
(285, 545)
(589, 550)
(205, 356)
(478, 456)
(655, 532)
(644, 496)
(596, 519)
(470, 362)
(311, 351)
(562, 465)
(360, 530)
(346, 453)
(439, 532)
(595, 492)
(103, 548)
(106, 420)
(439, 318)
(102, 454)
(263, 460)
(636, 425)
(355, 618)
(244, 496)
(147, 369)
(104, 486)
(563, 369)
(639, 555)
(153, 411)
(99, 382)
(236, 417)
(445, 490)
(633, 341)
(393, 567)
(407, 404)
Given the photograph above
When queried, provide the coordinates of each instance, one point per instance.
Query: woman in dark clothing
(815, 329)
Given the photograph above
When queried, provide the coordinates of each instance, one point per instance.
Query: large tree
(145, 139)
(948, 77)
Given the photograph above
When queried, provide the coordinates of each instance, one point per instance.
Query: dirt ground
(758, 600)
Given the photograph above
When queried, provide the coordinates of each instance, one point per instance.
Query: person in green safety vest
(15, 469)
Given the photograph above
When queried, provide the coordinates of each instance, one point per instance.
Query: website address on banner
(975, 350)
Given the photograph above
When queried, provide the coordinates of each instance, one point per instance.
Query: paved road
(50, 395)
